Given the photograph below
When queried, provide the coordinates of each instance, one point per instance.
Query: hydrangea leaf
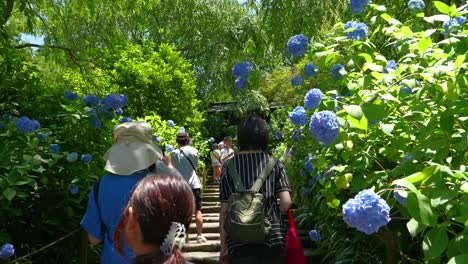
(9, 193)
(461, 242)
(361, 124)
(414, 227)
(387, 128)
(354, 110)
(441, 197)
(435, 242)
(374, 111)
(460, 259)
(420, 209)
(442, 7)
(422, 175)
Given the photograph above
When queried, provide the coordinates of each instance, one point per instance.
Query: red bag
(294, 252)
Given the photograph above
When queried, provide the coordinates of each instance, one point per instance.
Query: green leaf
(461, 242)
(460, 59)
(387, 128)
(435, 242)
(442, 7)
(424, 44)
(9, 193)
(360, 124)
(419, 208)
(374, 112)
(354, 110)
(441, 197)
(406, 31)
(414, 227)
(422, 175)
(460, 259)
(406, 184)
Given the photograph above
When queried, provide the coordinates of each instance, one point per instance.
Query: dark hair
(227, 138)
(183, 141)
(158, 200)
(252, 134)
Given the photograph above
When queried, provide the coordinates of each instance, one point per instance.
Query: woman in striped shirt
(252, 136)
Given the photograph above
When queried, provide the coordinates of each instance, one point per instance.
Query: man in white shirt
(227, 152)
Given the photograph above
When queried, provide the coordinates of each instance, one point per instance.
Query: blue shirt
(113, 194)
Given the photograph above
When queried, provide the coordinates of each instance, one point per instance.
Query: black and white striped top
(249, 166)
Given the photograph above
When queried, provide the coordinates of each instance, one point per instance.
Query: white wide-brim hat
(133, 149)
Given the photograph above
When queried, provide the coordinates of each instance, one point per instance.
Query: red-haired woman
(154, 219)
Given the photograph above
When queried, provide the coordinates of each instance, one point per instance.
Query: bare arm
(93, 241)
(285, 201)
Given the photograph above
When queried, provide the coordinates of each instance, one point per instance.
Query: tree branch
(7, 11)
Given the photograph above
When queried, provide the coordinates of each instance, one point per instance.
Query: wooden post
(83, 247)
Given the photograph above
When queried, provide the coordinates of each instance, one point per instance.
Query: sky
(32, 39)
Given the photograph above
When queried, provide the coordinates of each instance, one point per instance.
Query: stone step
(202, 257)
(209, 246)
(209, 236)
(210, 198)
(211, 190)
(211, 209)
(206, 203)
(208, 219)
(207, 228)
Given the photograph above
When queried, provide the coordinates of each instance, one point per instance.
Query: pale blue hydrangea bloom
(357, 6)
(359, 30)
(297, 45)
(324, 127)
(298, 116)
(313, 98)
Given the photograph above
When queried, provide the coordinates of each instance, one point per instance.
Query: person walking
(127, 162)
(215, 155)
(252, 136)
(227, 152)
(185, 159)
(154, 219)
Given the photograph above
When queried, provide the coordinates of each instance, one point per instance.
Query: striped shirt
(249, 166)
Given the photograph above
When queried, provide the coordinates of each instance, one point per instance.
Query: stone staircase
(206, 253)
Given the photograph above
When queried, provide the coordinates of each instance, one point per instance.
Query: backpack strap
(231, 166)
(263, 175)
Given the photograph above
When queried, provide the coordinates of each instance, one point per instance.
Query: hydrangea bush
(381, 154)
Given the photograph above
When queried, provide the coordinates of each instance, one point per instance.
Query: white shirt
(226, 152)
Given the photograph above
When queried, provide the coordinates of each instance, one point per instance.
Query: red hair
(158, 200)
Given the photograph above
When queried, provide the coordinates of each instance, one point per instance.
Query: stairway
(206, 253)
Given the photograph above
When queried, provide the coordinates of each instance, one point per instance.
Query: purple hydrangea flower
(72, 157)
(297, 45)
(357, 6)
(398, 195)
(86, 158)
(314, 235)
(26, 125)
(114, 101)
(125, 119)
(366, 212)
(241, 69)
(95, 122)
(298, 116)
(324, 127)
(416, 5)
(170, 123)
(90, 99)
(73, 189)
(70, 96)
(278, 135)
(308, 165)
(453, 24)
(55, 149)
(169, 148)
(297, 81)
(391, 65)
(337, 71)
(359, 30)
(7, 251)
(156, 139)
(313, 98)
(240, 83)
(310, 70)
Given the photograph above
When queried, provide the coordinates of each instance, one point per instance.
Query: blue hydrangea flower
(372, 122)
(416, 5)
(406, 90)
(297, 45)
(114, 101)
(119, 112)
(170, 123)
(407, 158)
(26, 125)
(308, 165)
(70, 96)
(95, 122)
(86, 158)
(303, 173)
(297, 81)
(357, 6)
(314, 235)
(315, 179)
(212, 140)
(90, 99)
(310, 70)
(366, 212)
(241, 69)
(391, 65)
(453, 24)
(295, 138)
(156, 139)
(55, 149)
(298, 116)
(359, 30)
(306, 192)
(240, 83)
(41, 136)
(106, 112)
(125, 119)
(73, 189)
(91, 112)
(296, 134)
(169, 148)
(72, 157)
(324, 127)
(278, 135)
(400, 196)
(313, 98)
(7, 251)
(337, 71)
